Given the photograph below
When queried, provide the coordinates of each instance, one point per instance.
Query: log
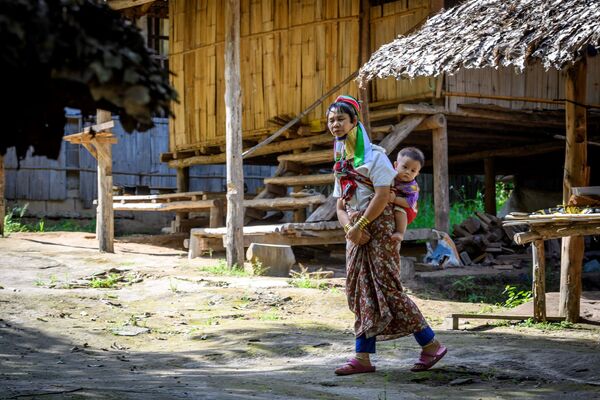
(433, 122)
(183, 185)
(284, 203)
(539, 232)
(301, 180)
(539, 281)
(400, 132)
(575, 175)
(325, 212)
(364, 54)
(234, 240)
(471, 225)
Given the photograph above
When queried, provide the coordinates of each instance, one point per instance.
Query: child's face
(407, 168)
(339, 123)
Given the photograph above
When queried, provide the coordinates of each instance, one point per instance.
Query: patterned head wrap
(356, 144)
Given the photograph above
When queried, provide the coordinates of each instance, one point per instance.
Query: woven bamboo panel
(291, 52)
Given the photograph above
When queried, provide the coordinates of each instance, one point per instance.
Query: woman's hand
(358, 236)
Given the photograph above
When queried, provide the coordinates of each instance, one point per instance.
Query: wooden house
(551, 107)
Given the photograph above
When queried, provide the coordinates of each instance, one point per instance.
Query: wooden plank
(539, 281)
(325, 212)
(181, 206)
(284, 203)
(309, 158)
(301, 180)
(234, 242)
(456, 317)
(575, 175)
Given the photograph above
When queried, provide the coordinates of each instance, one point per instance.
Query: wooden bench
(293, 234)
(457, 317)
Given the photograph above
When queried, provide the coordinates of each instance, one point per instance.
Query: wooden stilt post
(490, 186)
(574, 175)
(234, 240)
(2, 201)
(364, 54)
(183, 185)
(441, 199)
(104, 213)
(539, 281)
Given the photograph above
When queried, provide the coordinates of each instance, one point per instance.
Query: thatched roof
(492, 33)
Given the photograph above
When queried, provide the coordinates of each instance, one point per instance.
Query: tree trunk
(490, 186)
(234, 240)
(441, 199)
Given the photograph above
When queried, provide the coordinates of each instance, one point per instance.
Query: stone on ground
(270, 259)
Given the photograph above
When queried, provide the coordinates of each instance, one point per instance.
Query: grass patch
(271, 315)
(109, 281)
(222, 269)
(14, 221)
(303, 280)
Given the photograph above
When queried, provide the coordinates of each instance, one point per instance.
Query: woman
(382, 310)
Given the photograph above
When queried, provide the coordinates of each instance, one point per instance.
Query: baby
(405, 191)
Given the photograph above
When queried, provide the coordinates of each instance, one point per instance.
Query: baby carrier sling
(349, 178)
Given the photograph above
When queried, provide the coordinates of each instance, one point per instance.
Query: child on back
(405, 191)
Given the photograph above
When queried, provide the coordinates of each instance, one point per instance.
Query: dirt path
(219, 337)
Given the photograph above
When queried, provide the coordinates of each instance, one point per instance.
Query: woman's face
(339, 123)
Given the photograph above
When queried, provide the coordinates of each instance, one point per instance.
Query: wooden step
(301, 180)
(284, 203)
(309, 157)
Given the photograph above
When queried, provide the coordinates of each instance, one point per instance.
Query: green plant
(271, 315)
(503, 191)
(222, 269)
(515, 297)
(12, 220)
(546, 326)
(108, 282)
(303, 280)
(173, 286)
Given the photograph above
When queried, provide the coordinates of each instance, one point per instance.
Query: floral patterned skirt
(373, 287)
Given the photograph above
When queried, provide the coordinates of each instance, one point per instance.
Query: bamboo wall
(292, 51)
(534, 82)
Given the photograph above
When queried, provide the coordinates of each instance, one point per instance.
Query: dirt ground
(202, 336)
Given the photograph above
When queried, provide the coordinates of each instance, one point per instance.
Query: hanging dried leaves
(72, 53)
(492, 33)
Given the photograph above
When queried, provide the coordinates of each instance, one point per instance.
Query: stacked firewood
(482, 240)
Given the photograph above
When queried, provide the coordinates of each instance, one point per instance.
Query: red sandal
(353, 366)
(428, 360)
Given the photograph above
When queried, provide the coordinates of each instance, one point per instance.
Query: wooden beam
(556, 231)
(234, 240)
(574, 175)
(441, 197)
(279, 147)
(104, 211)
(309, 157)
(325, 212)
(2, 200)
(400, 132)
(123, 4)
(490, 186)
(539, 281)
(284, 203)
(364, 54)
(91, 149)
(301, 180)
(433, 122)
(181, 206)
(425, 109)
(183, 186)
